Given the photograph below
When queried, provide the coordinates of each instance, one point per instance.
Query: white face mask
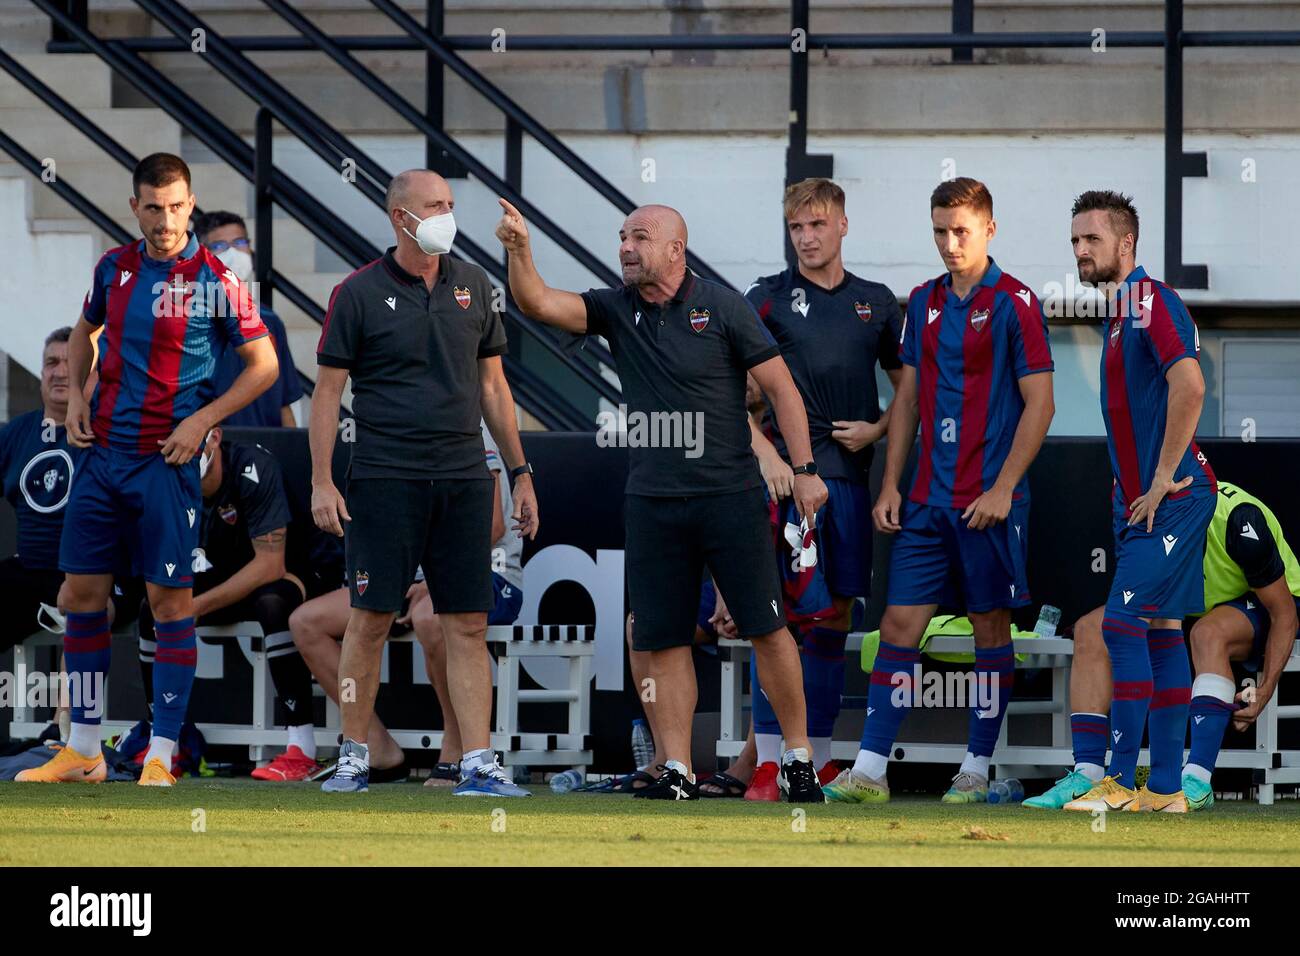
(237, 261)
(435, 234)
(205, 460)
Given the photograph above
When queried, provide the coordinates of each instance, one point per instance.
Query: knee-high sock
(1090, 733)
(289, 673)
(822, 654)
(1211, 709)
(995, 669)
(889, 699)
(1171, 674)
(173, 675)
(87, 653)
(1130, 663)
(761, 711)
(148, 649)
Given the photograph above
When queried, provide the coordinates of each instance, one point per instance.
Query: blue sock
(995, 670)
(888, 700)
(173, 675)
(1130, 664)
(1090, 732)
(87, 653)
(1171, 673)
(822, 654)
(1211, 709)
(760, 708)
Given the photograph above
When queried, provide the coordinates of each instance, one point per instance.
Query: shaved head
(652, 251)
(413, 188)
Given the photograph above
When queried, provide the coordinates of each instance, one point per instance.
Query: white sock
(1216, 686)
(797, 753)
(1197, 771)
(681, 768)
(768, 747)
(472, 760)
(303, 736)
(975, 765)
(1092, 771)
(162, 748)
(821, 751)
(870, 765)
(84, 739)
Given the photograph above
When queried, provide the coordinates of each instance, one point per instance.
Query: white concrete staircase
(50, 248)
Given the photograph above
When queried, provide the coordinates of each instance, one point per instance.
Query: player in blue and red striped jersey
(977, 377)
(166, 306)
(1162, 503)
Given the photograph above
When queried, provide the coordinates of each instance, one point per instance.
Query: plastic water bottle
(1048, 619)
(1010, 790)
(643, 744)
(566, 781)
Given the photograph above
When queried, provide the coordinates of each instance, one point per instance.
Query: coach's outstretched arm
(773, 377)
(328, 508)
(535, 298)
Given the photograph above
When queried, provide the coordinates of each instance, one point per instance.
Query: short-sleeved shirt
(249, 503)
(413, 356)
(969, 355)
(263, 411)
(165, 323)
(37, 475)
(1150, 332)
(682, 366)
(832, 339)
(508, 550)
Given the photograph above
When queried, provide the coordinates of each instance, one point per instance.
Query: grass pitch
(245, 822)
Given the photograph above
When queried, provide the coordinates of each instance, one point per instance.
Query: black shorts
(670, 541)
(443, 525)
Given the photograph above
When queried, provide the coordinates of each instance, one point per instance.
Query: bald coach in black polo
(417, 333)
(683, 345)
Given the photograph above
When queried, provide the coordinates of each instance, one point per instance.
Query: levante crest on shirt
(1115, 326)
(699, 319)
(363, 582)
(979, 318)
(863, 309)
(462, 296)
(229, 513)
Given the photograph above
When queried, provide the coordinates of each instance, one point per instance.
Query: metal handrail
(494, 95)
(654, 42)
(345, 241)
(334, 148)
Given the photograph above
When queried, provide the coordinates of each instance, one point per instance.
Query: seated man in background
(1252, 593)
(225, 234)
(240, 574)
(37, 465)
(507, 586)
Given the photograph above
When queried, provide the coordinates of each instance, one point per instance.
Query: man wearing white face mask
(417, 334)
(225, 234)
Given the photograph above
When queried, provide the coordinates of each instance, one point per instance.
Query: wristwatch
(808, 469)
(524, 469)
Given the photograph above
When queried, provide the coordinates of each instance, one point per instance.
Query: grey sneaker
(352, 773)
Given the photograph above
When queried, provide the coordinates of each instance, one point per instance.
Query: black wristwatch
(524, 469)
(808, 469)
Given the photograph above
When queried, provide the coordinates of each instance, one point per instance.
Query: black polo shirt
(249, 503)
(413, 356)
(832, 339)
(689, 356)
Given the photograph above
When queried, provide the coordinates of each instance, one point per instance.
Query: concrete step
(83, 80)
(47, 134)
